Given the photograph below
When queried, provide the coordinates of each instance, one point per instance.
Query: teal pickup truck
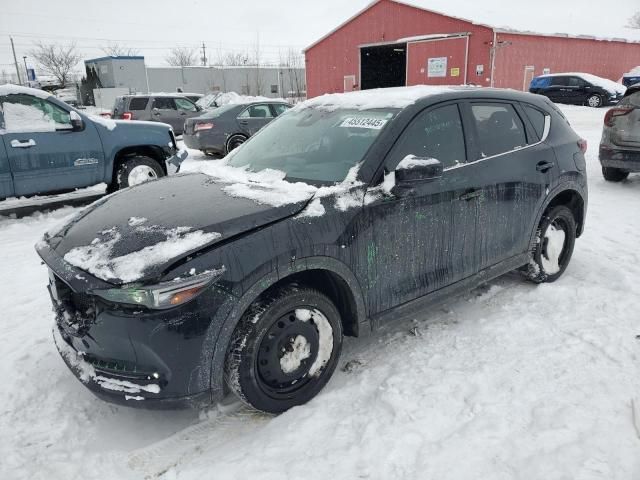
(47, 146)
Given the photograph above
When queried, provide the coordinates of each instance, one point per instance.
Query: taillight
(582, 143)
(615, 112)
(127, 116)
(202, 126)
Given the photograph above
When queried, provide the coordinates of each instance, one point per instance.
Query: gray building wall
(265, 81)
(131, 73)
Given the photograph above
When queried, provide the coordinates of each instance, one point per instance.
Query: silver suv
(166, 108)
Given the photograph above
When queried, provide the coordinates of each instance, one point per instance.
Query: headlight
(163, 295)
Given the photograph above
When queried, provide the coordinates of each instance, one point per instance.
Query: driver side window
(185, 105)
(26, 113)
(435, 133)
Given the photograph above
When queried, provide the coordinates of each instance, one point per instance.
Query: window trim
(545, 134)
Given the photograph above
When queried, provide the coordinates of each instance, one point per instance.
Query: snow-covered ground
(509, 381)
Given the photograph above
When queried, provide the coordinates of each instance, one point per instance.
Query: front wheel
(137, 170)
(284, 349)
(553, 247)
(611, 174)
(594, 101)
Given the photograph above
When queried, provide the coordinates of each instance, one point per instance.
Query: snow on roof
(10, 89)
(398, 97)
(546, 17)
(432, 36)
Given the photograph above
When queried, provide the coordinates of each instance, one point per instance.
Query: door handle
(23, 143)
(244, 122)
(544, 166)
(471, 195)
(183, 113)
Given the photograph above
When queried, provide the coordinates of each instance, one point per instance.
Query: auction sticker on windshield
(363, 122)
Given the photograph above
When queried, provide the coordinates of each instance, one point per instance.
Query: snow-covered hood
(136, 234)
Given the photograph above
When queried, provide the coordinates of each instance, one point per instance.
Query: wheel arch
(569, 195)
(152, 151)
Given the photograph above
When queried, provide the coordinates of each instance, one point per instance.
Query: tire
(614, 174)
(549, 258)
(594, 101)
(134, 170)
(234, 142)
(275, 358)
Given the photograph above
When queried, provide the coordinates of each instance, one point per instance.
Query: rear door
(164, 109)
(45, 153)
(576, 91)
(512, 168)
(254, 117)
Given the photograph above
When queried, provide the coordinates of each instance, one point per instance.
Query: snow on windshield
(97, 258)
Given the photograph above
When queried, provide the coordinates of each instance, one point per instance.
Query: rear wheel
(594, 101)
(137, 170)
(614, 174)
(234, 142)
(284, 349)
(555, 239)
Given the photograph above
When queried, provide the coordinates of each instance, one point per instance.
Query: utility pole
(204, 55)
(15, 60)
(26, 71)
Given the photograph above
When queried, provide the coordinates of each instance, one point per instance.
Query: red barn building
(392, 43)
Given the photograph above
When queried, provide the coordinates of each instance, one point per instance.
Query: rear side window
(559, 81)
(537, 119)
(435, 133)
(576, 82)
(256, 111)
(164, 103)
(138, 103)
(499, 128)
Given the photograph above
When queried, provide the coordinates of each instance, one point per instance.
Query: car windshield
(314, 145)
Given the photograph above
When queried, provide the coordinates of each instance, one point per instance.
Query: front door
(425, 241)
(254, 117)
(45, 153)
(164, 110)
(186, 109)
(512, 169)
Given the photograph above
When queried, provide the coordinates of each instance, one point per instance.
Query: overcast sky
(154, 26)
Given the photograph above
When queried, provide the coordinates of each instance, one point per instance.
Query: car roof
(11, 89)
(405, 97)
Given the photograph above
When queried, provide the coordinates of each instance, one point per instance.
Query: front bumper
(628, 160)
(137, 357)
(177, 158)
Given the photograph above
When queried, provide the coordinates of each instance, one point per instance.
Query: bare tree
(257, 56)
(634, 21)
(181, 57)
(57, 60)
(117, 50)
(292, 65)
(234, 59)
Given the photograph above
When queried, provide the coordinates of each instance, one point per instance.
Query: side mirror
(413, 171)
(77, 124)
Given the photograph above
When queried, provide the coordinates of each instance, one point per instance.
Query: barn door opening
(383, 66)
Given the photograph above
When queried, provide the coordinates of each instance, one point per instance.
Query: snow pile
(397, 97)
(98, 260)
(411, 161)
(233, 98)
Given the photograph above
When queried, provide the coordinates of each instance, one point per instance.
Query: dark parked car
(47, 146)
(170, 109)
(632, 77)
(387, 202)
(219, 131)
(578, 89)
(620, 144)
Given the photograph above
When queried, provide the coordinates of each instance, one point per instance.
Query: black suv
(349, 211)
(578, 89)
(620, 144)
